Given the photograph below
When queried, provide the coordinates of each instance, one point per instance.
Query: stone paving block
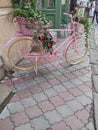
(40, 97)
(30, 82)
(5, 113)
(6, 124)
(74, 123)
(75, 92)
(60, 126)
(95, 82)
(57, 101)
(33, 112)
(89, 94)
(40, 79)
(83, 115)
(15, 107)
(53, 116)
(27, 102)
(35, 89)
(20, 86)
(59, 88)
(76, 81)
(96, 109)
(64, 110)
(50, 92)
(45, 85)
(94, 68)
(19, 118)
(74, 105)
(90, 126)
(49, 76)
(84, 100)
(67, 96)
(93, 56)
(40, 123)
(57, 73)
(45, 106)
(84, 78)
(26, 126)
(54, 81)
(69, 84)
(24, 93)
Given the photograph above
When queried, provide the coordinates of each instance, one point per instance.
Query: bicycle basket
(26, 26)
(79, 28)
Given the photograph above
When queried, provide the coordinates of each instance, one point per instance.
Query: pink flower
(48, 36)
(49, 44)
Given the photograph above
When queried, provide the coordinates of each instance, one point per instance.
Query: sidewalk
(59, 97)
(93, 49)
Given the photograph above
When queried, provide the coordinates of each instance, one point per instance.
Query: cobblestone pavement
(58, 98)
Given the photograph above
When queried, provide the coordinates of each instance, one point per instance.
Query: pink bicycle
(24, 53)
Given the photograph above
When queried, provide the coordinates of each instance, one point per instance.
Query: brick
(26, 126)
(19, 118)
(60, 126)
(74, 123)
(53, 116)
(6, 124)
(40, 123)
(56, 101)
(64, 110)
(33, 112)
(15, 107)
(66, 96)
(45, 106)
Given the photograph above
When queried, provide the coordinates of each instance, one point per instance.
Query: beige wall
(5, 3)
(7, 26)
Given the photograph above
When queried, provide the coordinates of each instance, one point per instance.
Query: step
(5, 96)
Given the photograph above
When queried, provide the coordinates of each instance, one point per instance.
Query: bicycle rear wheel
(76, 51)
(18, 50)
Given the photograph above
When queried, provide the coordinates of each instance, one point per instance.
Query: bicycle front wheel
(18, 53)
(76, 51)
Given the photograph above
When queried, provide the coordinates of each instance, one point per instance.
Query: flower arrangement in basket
(33, 22)
(28, 17)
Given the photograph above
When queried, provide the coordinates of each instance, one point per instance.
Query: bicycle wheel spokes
(17, 53)
(76, 51)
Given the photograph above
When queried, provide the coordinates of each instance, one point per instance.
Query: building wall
(7, 25)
